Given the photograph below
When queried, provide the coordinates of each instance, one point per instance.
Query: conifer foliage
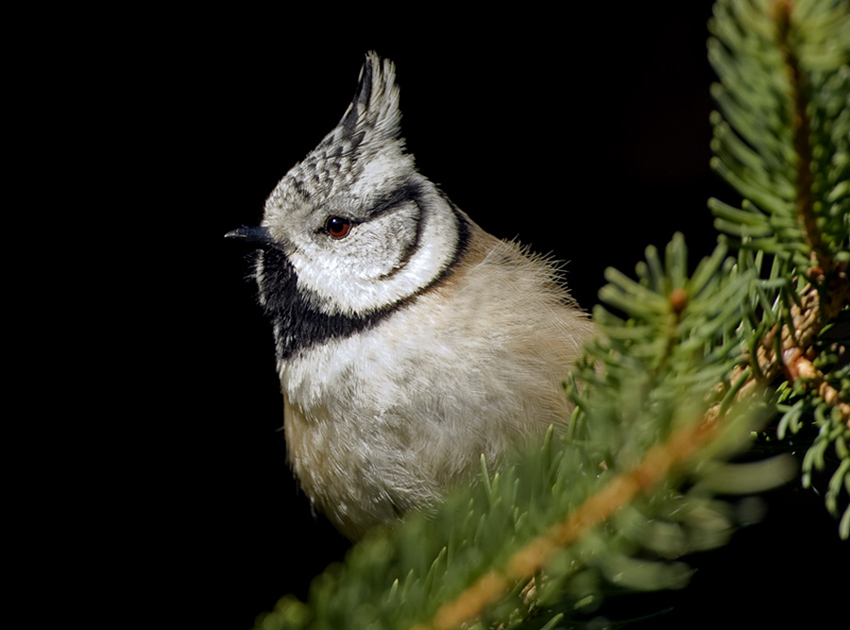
(688, 373)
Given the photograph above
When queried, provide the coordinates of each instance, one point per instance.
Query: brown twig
(828, 277)
(800, 123)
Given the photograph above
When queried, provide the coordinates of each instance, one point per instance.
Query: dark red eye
(338, 227)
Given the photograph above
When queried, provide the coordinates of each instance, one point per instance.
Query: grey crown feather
(369, 127)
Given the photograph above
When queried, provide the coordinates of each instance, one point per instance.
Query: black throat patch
(299, 324)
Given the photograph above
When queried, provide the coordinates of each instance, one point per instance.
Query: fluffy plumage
(409, 341)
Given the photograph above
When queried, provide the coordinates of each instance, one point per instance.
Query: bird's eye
(338, 227)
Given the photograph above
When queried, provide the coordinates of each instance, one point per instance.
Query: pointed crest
(374, 114)
(370, 127)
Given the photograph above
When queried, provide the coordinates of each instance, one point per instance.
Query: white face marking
(382, 261)
(258, 274)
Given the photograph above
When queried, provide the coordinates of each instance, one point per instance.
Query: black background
(583, 132)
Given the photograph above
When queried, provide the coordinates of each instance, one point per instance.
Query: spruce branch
(801, 132)
(789, 154)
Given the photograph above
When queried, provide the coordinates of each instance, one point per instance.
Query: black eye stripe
(410, 191)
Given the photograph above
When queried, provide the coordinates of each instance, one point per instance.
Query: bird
(409, 341)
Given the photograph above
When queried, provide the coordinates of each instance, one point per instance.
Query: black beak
(254, 235)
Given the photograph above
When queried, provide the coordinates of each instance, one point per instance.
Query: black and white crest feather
(369, 127)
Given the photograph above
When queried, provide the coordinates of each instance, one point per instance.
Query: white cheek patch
(258, 275)
(383, 245)
(385, 260)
